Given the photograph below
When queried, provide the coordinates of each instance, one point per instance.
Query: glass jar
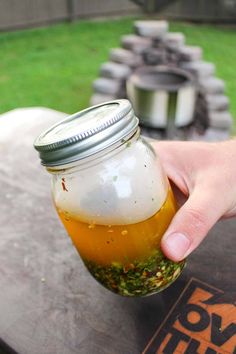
(112, 197)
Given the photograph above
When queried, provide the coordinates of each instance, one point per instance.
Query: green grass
(55, 66)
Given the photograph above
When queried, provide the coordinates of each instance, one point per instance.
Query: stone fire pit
(152, 45)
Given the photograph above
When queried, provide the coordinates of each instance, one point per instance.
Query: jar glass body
(116, 207)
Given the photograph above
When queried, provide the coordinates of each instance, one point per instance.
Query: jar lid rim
(86, 132)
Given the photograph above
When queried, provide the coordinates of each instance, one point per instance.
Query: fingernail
(177, 245)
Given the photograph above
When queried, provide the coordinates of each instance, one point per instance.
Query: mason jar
(112, 196)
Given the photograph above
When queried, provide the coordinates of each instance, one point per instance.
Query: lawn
(55, 66)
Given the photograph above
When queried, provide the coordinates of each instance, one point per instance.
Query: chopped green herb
(115, 178)
(138, 278)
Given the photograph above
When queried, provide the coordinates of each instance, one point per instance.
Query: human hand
(204, 178)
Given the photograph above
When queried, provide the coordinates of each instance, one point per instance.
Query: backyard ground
(55, 66)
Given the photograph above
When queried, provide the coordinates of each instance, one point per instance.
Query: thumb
(191, 224)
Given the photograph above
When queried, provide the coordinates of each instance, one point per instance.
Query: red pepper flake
(127, 267)
(63, 183)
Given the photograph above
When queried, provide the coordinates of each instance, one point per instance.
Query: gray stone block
(174, 40)
(115, 71)
(220, 120)
(212, 85)
(107, 86)
(135, 43)
(124, 56)
(201, 69)
(190, 53)
(152, 29)
(217, 102)
(98, 98)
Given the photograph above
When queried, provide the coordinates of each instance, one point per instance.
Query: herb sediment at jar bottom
(138, 278)
(126, 258)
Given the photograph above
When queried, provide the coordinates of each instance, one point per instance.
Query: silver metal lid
(86, 133)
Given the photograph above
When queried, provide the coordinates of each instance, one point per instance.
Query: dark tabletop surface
(49, 304)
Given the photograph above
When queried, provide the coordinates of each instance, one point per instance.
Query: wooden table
(49, 304)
